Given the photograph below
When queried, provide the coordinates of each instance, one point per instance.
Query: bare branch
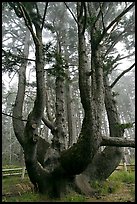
(44, 14)
(130, 55)
(125, 71)
(100, 12)
(85, 17)
(17, 56)
(28, 22)
(116, 20)
(117, 39)
(71, 12)
(118, 142)
(48, 124)
(19, 118)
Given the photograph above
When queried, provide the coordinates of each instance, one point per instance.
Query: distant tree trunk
(70, 112)
(59, 136)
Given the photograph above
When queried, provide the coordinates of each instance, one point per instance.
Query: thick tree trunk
(105, 162)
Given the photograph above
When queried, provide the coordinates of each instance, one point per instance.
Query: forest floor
(16, 190)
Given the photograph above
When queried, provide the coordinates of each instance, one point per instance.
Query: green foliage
(29, 5)
(90, 21)
(30, 12)
(114, 93)
(110, 62)
(47, 47)
(59, 64)
(124, 125)
(10, 61)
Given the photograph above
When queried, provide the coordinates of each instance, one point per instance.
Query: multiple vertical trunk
(52, 169)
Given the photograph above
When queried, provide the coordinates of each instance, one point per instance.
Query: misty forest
(68, 92)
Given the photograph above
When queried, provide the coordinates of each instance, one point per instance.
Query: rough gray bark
(102, 166)
(118, 142)
(18, 125)
(60, 134)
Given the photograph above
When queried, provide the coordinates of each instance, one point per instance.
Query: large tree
(51, 167)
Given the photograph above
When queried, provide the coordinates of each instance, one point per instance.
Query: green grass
(25, 197)
(10, 181)
(106, 187)
(123, 176)
(74, 198)
(14, 184)
(34, 197)
(114, 183)
(21, 190)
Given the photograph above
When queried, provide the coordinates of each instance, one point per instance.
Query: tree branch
(17, 56)
(44, 14)
(117, 79)
(28, 22)
(117, 39)
(99, 13)
(71, 12)
(85, 17)
(102, 17)
(130, 55)
(118, 142)
(116, 20)
(48, 124)
(19, 118)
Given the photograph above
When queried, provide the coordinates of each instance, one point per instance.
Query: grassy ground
(120, 187)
